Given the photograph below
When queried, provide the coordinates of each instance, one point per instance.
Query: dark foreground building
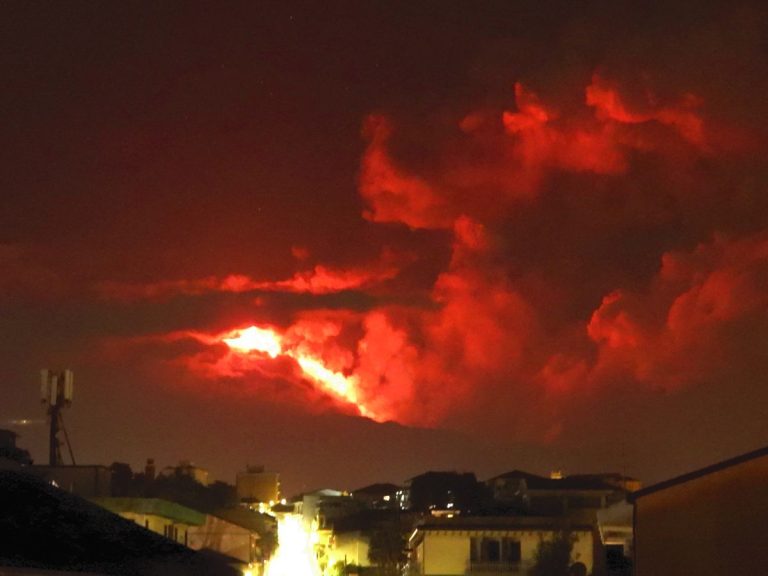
(711, 522)
(45, 530)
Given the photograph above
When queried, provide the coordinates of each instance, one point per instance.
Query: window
(491, 550)
(171, 531)
(511, 550)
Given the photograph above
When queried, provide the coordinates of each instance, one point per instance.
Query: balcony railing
(495, 568)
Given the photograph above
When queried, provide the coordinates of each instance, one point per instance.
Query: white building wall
(222, 536)
(159, 525)
(446, 554)
(350, 548)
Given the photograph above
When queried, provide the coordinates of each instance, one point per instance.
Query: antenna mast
(56, 388)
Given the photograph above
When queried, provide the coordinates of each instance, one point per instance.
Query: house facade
(490, 545)
(160, 516)
(193, 529)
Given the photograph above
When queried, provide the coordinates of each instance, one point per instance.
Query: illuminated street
(294, 556)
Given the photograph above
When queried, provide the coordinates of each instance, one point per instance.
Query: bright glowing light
(345, 387)
(294, 556)
(267, 341)
(333, 381)
(254, 338)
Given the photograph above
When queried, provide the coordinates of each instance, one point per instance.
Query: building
(379, 496)
(579, 495)
(48, 531)
(710, 522)
(449, 492)
(262, 525)
(188, 527)
(597, 500)
(348, 548)
(255, 485)
(226, 538)
(615, 525)
(12, 457)
(321, 508)
(349, 540)
(482, 546)
(88, 481)
(160, 516)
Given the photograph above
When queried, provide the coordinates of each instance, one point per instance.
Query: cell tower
(56, 388)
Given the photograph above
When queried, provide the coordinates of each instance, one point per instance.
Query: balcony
(495, 568)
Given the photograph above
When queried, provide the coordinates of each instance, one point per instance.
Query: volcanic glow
(264, 340)
(507, 314)
(254, 338)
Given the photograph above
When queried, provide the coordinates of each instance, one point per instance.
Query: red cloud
(483, 321)
(485, 339)
(543, 143)
(393, 195)
(326, 280)
(494, 159)
(684, 329)
(387, 364)
(410, 365)
(319, 280)
(683, 117)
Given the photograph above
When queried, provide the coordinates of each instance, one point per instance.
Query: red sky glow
(292, 230)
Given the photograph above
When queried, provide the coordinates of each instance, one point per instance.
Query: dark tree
(122, 479)
(175, 487)
(553, 557)
(386, 550)
(184, 490)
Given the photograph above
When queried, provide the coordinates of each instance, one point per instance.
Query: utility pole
(56, 389)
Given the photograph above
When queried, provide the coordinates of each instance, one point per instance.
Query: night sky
(506, 234)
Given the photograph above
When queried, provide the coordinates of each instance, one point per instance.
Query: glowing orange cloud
(485, 333)
(318, 280)
(682, 117)
(394, 195)
(267, 341)
(254, 338)
(497, 158)
(678, 332)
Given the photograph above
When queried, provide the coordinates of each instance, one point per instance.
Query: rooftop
(80, 536)
(572, 482)
(152, 506)
(759, 453)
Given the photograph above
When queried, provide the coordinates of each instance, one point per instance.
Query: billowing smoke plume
(608, 233)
